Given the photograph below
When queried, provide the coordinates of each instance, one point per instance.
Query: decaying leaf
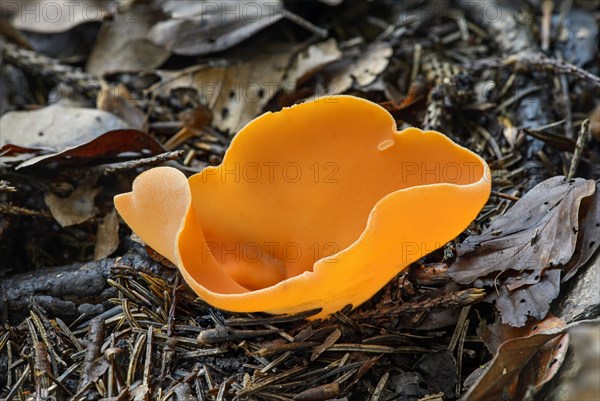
(107, 236)
(439, 370)
(588, 240)
(539, 231)
(533, 300)
(581, 298)
(118, 101)
(523, 252)
(78, 207)
(517, 353)
(198, 28)
(313, 58)
(112, 145)
(362, 70)
(55, 127)
(122, 46)
(237, 92)
(578, 377)
(51, 16)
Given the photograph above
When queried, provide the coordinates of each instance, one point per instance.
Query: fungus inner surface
(299, 185)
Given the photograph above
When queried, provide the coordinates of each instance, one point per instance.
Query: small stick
(6, 187)
(21, 211)
(309, 26)
(168, 350)
(112, 168)
(547, 7)
(583, 133)
(526, 62)
(95, 339)
(222, 334)
(505, 196)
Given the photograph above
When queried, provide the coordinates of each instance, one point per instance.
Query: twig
(460, 327)
(5, 187)
(21, 211)
(50, 68)
(454, 299)
(527, 62)
(566, 103)
(583, 133)
(95, 340)
(547, 7)
(168, 350)
(118, 167)
(505, 196)
(309, 26)
(59, 290)
(459, 354)
(13, 391)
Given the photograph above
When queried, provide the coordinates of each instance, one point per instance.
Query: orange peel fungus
(316, 206)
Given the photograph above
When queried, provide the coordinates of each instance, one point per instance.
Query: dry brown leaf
(51, 16)
(56, 127)
(515, 356)
(198, 28)
(237, 92)
(76, 208)
(578, 378)
(110, 146)
(439, 371)
(517, 306)
(522, 253)
(107, 236)
(118, 101)
(310, 60)
(122, 46)
(543, 366)
(363, 70)
(538, 232)
(588, 240)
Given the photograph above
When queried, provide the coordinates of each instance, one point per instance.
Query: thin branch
(118, 167)
(583, 133)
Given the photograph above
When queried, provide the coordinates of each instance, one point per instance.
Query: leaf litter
(523, 357)
(174, 75)
(522, 253)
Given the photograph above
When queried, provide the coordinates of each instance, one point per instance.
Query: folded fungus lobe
(316, 206)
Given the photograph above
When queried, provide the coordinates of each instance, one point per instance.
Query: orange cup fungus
(316, 206)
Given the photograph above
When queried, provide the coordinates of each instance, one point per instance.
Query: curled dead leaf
(198, 28)
(107, 236)
(118, 101)
(76, 208)
(539, 231)
(122, 46)
(517, 355)
(237, 92)
(364, 69)
(112, 145)
(310, 60)
(51, 16)
(523, 253)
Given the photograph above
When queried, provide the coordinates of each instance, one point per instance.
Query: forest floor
(94, 92)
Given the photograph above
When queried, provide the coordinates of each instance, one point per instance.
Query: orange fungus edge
(403, 225)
